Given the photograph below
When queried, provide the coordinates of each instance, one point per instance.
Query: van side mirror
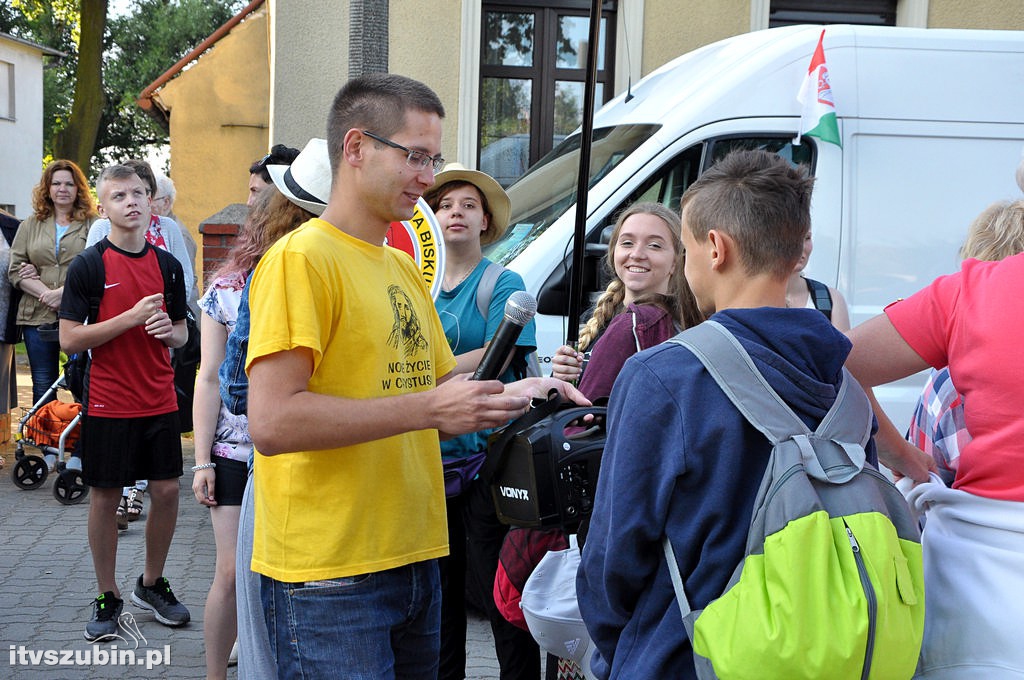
(554, 294)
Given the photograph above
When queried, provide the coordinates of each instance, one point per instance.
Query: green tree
(140, 47)
(90, 111)
(77, 139)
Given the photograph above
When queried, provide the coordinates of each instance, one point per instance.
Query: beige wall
(309, 44)
(992, 14)
(426, 44)
(219, 122)
(674, 27)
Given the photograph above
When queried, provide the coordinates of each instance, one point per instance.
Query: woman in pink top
(972, 322)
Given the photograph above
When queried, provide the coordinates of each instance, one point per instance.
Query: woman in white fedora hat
(473, 211)
(221, 477)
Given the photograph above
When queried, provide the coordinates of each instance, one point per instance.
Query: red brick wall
(219, 233)
(218, 240)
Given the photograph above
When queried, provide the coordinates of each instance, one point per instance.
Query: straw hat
(497, 199)
(307, 181)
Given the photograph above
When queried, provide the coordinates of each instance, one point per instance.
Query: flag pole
(583, 179)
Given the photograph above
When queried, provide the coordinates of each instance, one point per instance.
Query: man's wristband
(204, 466)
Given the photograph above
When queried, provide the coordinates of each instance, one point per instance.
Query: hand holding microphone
(519, 310)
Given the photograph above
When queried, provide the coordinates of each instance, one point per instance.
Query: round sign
(420, 238)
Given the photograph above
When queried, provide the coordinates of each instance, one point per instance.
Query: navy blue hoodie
(681, 459)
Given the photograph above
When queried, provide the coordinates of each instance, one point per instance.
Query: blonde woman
(938, 427)
(647, 302)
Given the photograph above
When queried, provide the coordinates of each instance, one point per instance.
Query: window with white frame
(6, 90)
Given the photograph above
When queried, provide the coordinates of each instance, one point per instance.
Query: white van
(932, 125)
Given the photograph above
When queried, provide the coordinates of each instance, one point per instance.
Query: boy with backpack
(124, 301)
(683, 463)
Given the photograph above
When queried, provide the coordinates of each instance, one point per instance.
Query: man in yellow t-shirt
(350, 385)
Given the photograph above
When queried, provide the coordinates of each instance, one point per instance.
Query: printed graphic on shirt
(406, 332)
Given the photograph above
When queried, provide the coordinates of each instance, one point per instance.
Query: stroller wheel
(69, 489)
(29, 472)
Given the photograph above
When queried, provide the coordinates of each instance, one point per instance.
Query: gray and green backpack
(831, 584)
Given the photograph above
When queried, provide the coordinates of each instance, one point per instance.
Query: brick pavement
(47, 584)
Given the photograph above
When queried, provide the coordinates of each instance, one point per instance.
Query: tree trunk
(77, 140)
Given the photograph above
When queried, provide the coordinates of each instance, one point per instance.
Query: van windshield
(548, 188)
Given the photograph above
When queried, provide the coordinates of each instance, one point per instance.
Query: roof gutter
(145, 100)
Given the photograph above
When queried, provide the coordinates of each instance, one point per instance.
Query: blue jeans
(43, 357)
(368, 627)
(234, 383)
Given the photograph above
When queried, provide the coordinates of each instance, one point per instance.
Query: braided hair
(678, 302)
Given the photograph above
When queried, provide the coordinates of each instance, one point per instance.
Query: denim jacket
(234, 383)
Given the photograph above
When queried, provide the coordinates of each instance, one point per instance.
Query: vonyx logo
(513, 492)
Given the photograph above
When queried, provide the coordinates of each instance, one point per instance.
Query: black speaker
(545, 471)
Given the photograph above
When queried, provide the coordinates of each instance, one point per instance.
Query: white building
(21, 121)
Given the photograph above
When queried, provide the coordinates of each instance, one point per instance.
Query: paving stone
(47, 583)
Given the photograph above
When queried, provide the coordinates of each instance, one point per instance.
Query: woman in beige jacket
(42, 250)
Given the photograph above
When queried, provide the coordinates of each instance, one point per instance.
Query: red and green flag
(818, 117)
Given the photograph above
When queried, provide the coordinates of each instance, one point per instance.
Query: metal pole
(583, 182)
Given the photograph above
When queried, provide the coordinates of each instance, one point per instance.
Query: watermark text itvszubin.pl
(93, 655)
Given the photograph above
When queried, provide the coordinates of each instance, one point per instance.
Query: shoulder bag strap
(485, 290)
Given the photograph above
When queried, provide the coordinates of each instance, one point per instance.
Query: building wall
(675, 27)
(21, 139)
(220, 118)
(309, 63)
(426, 44)
(989, 14)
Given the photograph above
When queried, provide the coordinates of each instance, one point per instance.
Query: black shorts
(229, 480)
(118, 451)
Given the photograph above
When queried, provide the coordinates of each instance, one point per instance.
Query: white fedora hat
(307, 181)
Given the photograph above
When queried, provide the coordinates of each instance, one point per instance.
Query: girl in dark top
(646, 303)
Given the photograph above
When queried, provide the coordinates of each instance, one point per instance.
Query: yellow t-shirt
(368, 318)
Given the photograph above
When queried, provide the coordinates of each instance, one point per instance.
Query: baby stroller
(52, 427)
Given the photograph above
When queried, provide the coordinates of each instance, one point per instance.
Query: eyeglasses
(417, 160)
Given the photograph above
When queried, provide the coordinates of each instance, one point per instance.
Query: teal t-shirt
(467, 330)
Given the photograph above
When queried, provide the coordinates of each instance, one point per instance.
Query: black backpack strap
(168, 273)
(96, 276)
(78, 366)
(820, 297)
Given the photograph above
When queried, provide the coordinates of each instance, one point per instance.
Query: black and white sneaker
(159, 599)
(103, 624)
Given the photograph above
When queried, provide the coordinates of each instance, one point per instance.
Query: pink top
(973, 321)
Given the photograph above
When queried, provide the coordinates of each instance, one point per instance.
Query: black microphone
(520, 308)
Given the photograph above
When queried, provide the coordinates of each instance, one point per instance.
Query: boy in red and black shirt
(130, 429)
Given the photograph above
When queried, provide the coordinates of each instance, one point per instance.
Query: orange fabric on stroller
(46, 425)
